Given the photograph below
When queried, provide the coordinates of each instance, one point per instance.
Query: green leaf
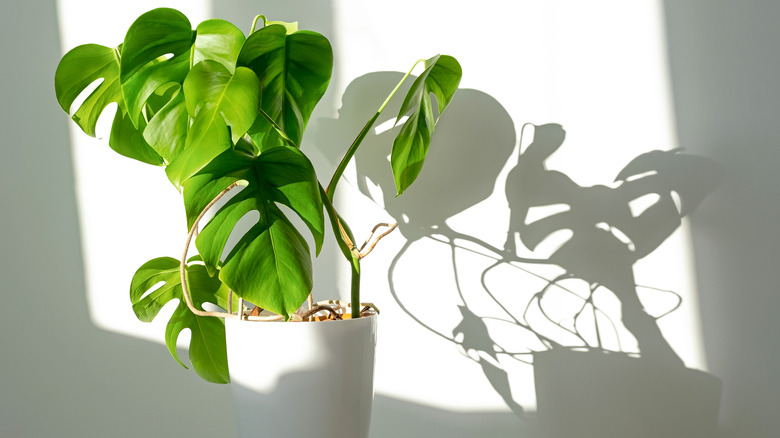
(208, 354)
(128, 140)
(223, 105)
(208, 137)
(156, 51)
(218, 40)
(441, 78)
(83, 66)
(294, 72)
(79, 68)
(234, 95)
(271, 264)
(166, 132)
(208, 351)
(290, 26)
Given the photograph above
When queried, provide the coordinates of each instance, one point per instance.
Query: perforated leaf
(208, 354)
(91, 64)
(271, 264)
(155, 52)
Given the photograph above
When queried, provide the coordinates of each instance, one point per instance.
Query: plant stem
(355, 288)
(355, 144)
(331, 191)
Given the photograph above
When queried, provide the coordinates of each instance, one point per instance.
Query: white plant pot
(302, 379)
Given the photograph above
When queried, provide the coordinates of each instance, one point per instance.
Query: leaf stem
(278, 129)
(355, 144)
(331, 191)
(254, 23)
(335, 224)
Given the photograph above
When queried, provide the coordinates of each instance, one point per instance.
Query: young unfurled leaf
(441, 78)
(208, 354)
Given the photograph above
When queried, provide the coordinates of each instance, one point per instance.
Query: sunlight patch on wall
(128, 211)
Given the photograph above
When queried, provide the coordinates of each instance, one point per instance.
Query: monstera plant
(217, 109)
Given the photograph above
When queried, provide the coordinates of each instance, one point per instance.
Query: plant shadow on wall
(586, 369)
(601, 364)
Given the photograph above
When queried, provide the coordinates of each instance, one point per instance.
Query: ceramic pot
(302, 379)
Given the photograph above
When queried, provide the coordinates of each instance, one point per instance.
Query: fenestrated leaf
(218, 40)
(208, 354)
(88, 64)
(294, 72)
(79, 68)
(441, 78)
(155, 52)
(208, 351)
(283, 175)
(271, 265)
(217, 100)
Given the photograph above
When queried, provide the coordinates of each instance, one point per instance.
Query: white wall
(600, 71)
(597, 69)
(724, 75)
(60, 375)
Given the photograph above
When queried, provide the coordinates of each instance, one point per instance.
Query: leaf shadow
(598, 233)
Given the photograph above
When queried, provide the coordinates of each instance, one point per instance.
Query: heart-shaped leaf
(294, 72)
(156, 51)
(441, 78)
(208, 354)
(271, 265)
(220, 103)
(218, 40)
